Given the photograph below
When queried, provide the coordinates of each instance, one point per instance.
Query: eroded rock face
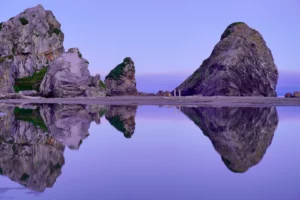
(7, 69)
(241, 64)
(240, 135)
(122, 118)
(68, 76)
(33, 38)
(121, 80)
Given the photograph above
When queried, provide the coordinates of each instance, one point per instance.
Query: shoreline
(215, 101)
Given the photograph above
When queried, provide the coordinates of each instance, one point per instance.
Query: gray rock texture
(122, 118)
(68, 76)
(241, 64)
(7, 68)
(121, 80)
(33, 38)
(240, 135)
(28, 155)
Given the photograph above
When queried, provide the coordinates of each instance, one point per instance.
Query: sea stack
(241, 64)
(121, 80)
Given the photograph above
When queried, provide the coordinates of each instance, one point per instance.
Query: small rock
(288, 95)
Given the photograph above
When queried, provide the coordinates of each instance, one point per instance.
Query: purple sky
(168, 37)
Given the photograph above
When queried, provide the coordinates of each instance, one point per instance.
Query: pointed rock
(241, 64)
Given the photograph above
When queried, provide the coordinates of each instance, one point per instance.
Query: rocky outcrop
(240, 135)
(122, 118)
(121, 80)
(68, 76)
(241, 64)
(33, 38)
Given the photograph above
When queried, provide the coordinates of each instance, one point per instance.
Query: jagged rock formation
(121, 80)
(33, 38)
(240, 135)
(241, 64)
(122, 118)
(68, 76)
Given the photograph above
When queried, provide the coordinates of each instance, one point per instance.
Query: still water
(76, 152)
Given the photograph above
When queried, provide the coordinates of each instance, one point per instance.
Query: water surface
(75, 152)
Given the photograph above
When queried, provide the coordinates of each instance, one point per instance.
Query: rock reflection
(240, 135)
(32, 141)
(122, 118)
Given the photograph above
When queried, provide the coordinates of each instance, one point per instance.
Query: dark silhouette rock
(122, 118)
(240, 135)
(241, 64)
(288, 95)
(121, 80)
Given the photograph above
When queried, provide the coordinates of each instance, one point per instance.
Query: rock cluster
(121, 80)
(32, 140)
(241, 64)
(290, 95)
(68, 76)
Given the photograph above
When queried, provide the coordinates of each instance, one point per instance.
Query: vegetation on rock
(56, 31)
(102, 85)
(227, 31)
(1, 26)
(23, 21)
(30, 83)
(32, 116)
(116, 122)
(118, 70)
(2, 59)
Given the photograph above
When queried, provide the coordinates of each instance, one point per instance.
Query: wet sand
(161, 101)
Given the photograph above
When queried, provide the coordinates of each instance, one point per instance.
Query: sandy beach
(162, 101)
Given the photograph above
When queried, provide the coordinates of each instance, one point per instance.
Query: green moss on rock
(227, 31)
(30, 83)
(116, 122)
(56, 31)
(23, 21)
(24, 177)
(30, 115)
(118, 70)
(1, 26)
(102, 85)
